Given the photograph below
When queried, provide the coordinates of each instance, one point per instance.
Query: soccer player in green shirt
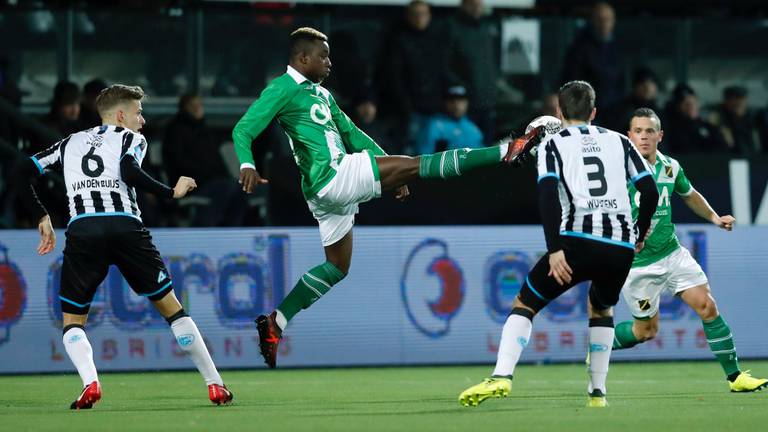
(340, 167)
(665, 266)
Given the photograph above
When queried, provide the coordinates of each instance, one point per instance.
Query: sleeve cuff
(37, 164)
(247, 165)
(687, 193)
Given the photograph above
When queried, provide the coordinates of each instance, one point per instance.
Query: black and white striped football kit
(101, 166)
(584, 202)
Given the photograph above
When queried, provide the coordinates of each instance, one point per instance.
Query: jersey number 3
(85, 164)
(598, 176)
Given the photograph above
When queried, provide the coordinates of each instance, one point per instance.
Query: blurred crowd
(434, 86)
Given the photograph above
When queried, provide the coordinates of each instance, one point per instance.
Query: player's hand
(725, 222)
(250, 178)
(402, 193)
(559, 268)
(47, 236)
(183, 187)
(640, 244)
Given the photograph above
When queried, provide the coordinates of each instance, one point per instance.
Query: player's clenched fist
(725, 222)
(183, 187)
(250, 178)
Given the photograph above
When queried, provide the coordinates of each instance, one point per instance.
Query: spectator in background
(594, 57)
(365, 116)
(10, 92)
(451, 129)
(474, 44)
(762, 128)
(350, 69)
(190, 149)
(415, 72)
(89, 117)
(685, 130)
(645, 91)
(64, 110)
(736, 122)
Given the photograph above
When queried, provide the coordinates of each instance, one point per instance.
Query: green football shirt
(669, 178)
(319, 132)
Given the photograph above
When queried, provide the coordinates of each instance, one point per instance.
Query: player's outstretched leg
(79, 350)
(514, 339)
(453, 163)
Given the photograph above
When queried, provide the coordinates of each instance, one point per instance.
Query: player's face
(131, 115)
(645, 132)
(318, 62)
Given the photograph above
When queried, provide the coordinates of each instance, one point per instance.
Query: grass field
(643, 396)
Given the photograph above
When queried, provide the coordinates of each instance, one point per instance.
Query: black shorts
(95, 243)
(605, 264)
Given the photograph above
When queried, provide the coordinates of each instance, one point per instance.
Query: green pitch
(643, 396)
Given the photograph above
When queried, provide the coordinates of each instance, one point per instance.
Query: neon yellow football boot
(596, 399)
(490, 387)
(747, 383)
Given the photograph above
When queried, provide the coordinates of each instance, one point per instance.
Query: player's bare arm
(696, 202)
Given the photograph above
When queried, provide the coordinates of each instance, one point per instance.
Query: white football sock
(600, 344)
(81, 354)
(190, 340)
(503, 150)
(514, 339)
(280, 320)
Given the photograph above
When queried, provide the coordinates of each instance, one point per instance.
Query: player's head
(120, 105)
(418, 15)
(576, 100)
(310, 53)
(645, 131)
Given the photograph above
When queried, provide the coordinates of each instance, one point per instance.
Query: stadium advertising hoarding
(415, 295)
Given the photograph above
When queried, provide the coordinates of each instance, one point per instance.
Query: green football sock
(720, 341)
(453, 163)
(624, 336)
(311, 286)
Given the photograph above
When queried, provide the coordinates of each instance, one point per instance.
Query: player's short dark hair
(116, 94)
(577, 100)
(301, 39)
(646, 113)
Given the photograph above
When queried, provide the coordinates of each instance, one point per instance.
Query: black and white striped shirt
(90, 160)
(592, 166)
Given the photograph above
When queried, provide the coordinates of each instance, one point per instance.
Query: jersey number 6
(86, 166)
